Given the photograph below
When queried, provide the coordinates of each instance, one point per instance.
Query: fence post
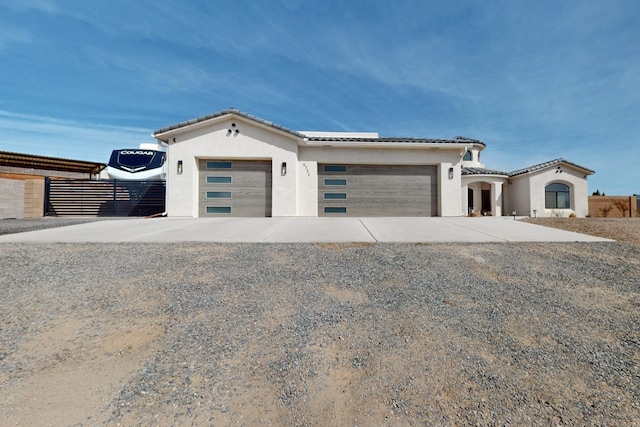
(45, 207)
(115, 198)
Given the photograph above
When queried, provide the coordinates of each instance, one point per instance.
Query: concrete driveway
(310, 230)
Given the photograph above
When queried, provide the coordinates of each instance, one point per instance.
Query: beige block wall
(21, 196)
(11, 198)
(33, 198)
(613, 206)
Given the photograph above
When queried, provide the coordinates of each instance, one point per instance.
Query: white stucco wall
(307, 187)
(219, 140)
(527, 192)
(517, 195)
(475, 157)
(578, 188)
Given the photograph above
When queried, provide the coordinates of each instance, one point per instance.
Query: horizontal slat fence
(103, 198)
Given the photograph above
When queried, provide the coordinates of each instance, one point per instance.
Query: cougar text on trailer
(147, 163)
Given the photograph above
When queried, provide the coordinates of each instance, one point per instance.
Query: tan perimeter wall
(21, 196)
(613, 206)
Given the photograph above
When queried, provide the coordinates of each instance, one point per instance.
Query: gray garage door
(375, 190)
(235, 188)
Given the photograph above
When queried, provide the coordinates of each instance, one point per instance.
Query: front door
(486, 201)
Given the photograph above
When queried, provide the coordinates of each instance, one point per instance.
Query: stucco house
(231, 163)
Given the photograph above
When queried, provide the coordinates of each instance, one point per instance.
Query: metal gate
(65, 197)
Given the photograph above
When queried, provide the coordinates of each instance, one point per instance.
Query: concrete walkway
(310, 230)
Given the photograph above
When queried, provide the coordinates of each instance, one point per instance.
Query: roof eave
(165, 134)
(551, 164)
(494, 175)
(384, 144)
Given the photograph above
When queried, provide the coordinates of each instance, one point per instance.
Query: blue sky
(535, 80)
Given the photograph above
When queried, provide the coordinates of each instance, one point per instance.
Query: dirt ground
(323, 335)
(621, 229)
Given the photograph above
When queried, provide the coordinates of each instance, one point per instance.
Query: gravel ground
(318, 334)
(11, 226)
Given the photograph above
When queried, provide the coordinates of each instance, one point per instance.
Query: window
(218, 194)
(335, 209)
(556, 196)
(335, 168)
(332, 182)
(219, 165)
(335, 196)
(218, 209)
(218, 180)
(467, 156)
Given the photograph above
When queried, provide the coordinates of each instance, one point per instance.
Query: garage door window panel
(218, 210)
(219, 179)
(335, 168)
(218, 194)
(333, 182)
(219, 165)
(335, 196)
(335, 210)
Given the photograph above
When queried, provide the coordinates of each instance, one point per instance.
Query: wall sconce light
(283, 169)
(450, 173)
(179, 167)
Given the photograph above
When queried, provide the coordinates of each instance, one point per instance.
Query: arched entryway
(482, 196)
(479, 199)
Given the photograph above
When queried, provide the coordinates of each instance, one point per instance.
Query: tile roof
(224, 113)
(457, 139)
(390, 139)
(546, 165)
(482, 171)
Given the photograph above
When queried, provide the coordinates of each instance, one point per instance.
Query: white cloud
(11, 36)
(48, 6)
(51, 136)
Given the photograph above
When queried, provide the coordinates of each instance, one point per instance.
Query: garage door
(235, 188)
(376, 190)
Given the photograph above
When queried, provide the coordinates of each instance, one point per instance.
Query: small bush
(605, 211)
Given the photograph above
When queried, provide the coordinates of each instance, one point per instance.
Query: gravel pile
(301, 334)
